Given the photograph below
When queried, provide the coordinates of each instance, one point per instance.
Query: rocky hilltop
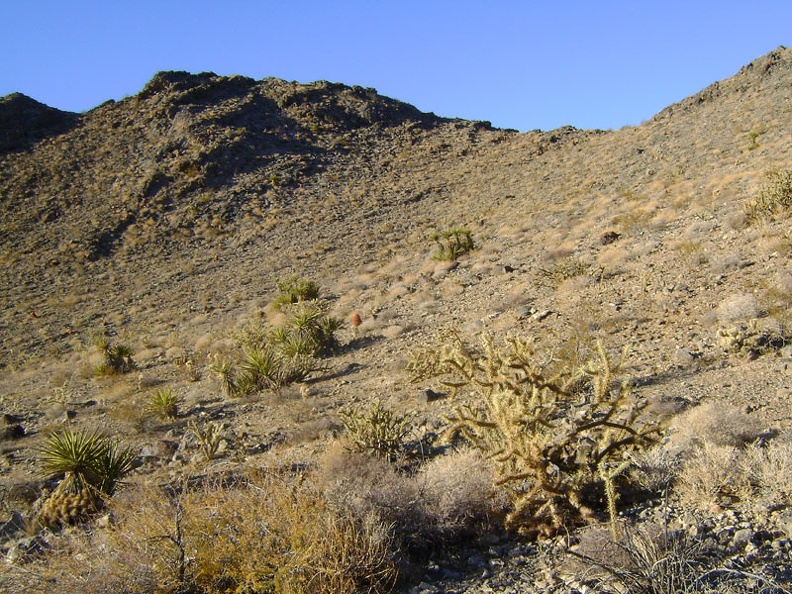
(165, 220)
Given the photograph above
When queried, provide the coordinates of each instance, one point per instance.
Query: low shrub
(450, 496)
(116, 358)
(295, 290)
(775, 196)
(453, 244)
(379, 430)
(258, 533)
(274, 357)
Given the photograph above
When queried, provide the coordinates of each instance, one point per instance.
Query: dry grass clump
(651, 559)
(727, 462)
(361, 485)
(768, 470)
(739, 307)
(716, 423)
(258, 533)
(655, 469)
(345, 528)
(711, 478)
(755, 477)
(449, 496)
(459, 492)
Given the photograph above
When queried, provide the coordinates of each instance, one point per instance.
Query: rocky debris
(12, 427)
(730, 549)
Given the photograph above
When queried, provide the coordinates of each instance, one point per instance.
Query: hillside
(165, 221)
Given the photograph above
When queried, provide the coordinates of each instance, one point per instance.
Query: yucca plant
(261, 369)
(164, 403)
(227, 374)
(296, 345)
(93, 467)
(310, 329)
(117, 357)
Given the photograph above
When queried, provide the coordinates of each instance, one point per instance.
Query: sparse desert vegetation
(259, 379)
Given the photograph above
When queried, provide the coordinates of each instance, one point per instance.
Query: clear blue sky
(519, 64)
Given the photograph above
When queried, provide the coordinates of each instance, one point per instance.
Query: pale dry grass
(459, 493)
(769, 471)
(450, 495)
(710, 479)
(754, 478)
(260, 532)
(739, 307)
(716, 423)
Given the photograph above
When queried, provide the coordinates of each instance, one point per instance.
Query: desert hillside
(168, 222)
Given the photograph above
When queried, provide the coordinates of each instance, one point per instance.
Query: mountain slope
(165, 220)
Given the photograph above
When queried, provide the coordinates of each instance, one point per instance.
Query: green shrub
(453, 243)
(117, 358)
(284, 354)
(226, 372)
(295, 290)
(308, 331)
(775, 196)
(379, 430)
(559, 444)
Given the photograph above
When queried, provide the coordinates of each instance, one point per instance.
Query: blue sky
(519, 64)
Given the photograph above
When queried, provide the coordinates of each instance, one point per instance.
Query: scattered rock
(428, 395)
(26, 549)
(541, 315)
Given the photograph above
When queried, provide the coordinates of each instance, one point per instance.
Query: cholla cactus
(379, 430)
(747, 340)
(554, 438)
